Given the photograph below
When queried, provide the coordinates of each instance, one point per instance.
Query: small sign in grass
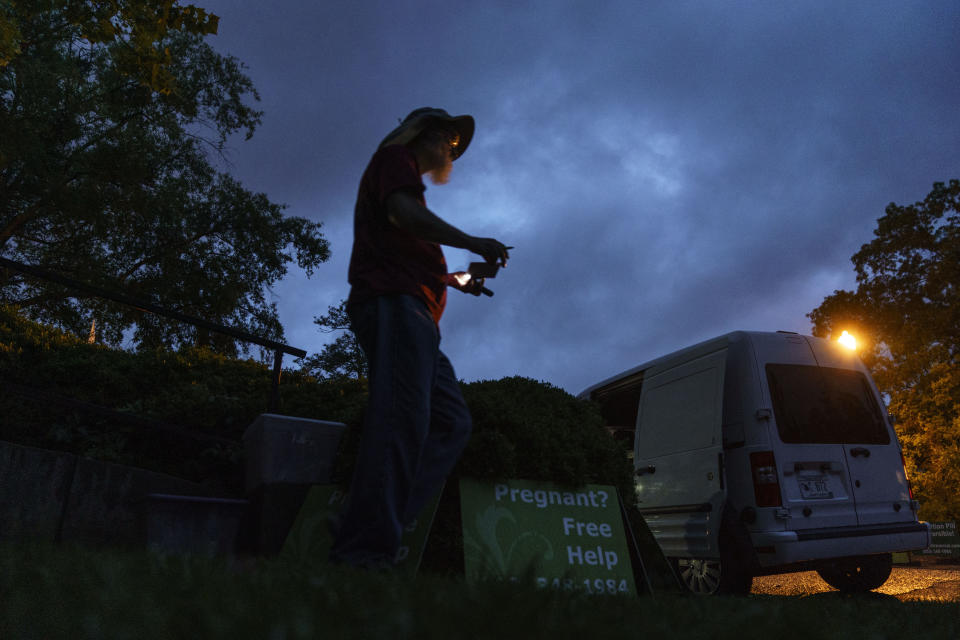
(566, 539)
(944, 540)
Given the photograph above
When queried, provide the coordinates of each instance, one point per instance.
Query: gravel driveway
(927, 582)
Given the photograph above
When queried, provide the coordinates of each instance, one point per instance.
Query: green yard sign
(944, 540)
(560, 538)
(309, 541)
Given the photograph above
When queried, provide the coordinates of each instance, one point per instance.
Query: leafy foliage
(139, 27)
(343, 358)
(525, 429)
(529, 429)
(532, 430)
(906, 316)
(108, 181)
(522, 428)
(193, 388)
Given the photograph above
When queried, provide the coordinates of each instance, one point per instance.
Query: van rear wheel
(727, 575)
(712, 576)
(859, 574)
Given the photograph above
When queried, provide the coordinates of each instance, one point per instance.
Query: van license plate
(815, 488)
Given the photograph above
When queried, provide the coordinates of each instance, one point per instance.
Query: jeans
(416, 426)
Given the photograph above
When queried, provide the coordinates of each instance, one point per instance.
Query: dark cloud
(667, 171)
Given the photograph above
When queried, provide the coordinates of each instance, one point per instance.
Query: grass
(61, 592)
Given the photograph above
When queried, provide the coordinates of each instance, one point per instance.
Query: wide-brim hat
(420, 119)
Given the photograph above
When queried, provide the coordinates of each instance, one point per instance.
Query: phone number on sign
(596, 586)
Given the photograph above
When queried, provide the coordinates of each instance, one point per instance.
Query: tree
(141, 26)
(906, 312)
(343, 358)
(107, 180)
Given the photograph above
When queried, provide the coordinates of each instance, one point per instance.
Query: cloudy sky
(667, 171)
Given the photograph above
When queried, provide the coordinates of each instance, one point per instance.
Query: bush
(195, 389)
(533, 430)
(521, 429)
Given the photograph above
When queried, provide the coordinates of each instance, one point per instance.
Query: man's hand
(493, 251)
(463, 281)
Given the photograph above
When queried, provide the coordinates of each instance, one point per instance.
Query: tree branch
(18, 221)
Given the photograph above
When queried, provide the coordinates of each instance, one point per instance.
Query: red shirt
(386, 259)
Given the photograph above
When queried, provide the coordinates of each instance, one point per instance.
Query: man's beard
(441, 175)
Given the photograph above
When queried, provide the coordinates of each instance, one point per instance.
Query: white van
(760, 453)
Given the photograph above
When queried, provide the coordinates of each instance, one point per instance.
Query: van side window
(825, 406)
(619, 404)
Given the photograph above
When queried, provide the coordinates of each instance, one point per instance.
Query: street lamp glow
(847, 340)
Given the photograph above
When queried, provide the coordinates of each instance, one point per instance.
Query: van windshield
(823, 405)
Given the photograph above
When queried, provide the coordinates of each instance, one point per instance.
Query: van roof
(688, 353)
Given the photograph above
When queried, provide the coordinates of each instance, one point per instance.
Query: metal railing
(147, 307)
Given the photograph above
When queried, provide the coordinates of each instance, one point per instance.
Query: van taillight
(903, 461)
(766, 486)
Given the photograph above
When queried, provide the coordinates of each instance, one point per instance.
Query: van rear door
(838, 456)
(874, 462)
(814, 482)
(678, 454)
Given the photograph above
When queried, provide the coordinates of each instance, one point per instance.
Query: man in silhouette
(416, 424)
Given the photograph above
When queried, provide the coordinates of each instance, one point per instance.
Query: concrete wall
(34, 486)
(59, 497)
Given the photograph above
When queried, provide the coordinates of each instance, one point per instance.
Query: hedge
(522, 428)
(195, 389)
